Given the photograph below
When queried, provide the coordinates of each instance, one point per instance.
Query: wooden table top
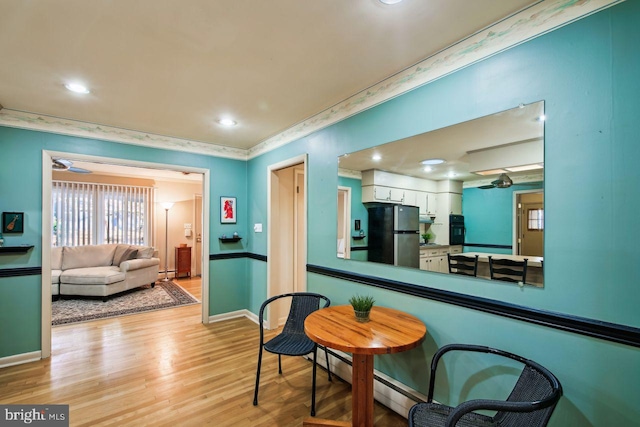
(388, 331)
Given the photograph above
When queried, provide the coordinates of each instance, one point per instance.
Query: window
(91, 214)
(535, 219)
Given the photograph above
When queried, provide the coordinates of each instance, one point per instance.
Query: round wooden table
(388, 331)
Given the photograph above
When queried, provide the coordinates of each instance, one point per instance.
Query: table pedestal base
(361, 396)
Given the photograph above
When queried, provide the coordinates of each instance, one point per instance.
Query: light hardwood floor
(165, 368)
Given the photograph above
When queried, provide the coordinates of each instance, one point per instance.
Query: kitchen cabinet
(434, 259)
(432, 203)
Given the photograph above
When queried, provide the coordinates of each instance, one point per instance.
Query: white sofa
(102, 270)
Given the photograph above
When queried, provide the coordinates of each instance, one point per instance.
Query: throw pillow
(126, 255)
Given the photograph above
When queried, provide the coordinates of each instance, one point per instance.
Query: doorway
(344, 222)
(47, 178)
(287, 234)
(529, 223)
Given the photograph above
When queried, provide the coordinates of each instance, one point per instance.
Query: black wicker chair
(508, 270)
(531, 402)
(462, 264)
(292, 341)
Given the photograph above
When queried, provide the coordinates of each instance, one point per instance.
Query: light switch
(187, 226)
(257, 228)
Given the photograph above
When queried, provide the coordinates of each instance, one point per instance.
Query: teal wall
(587, 74)
(21, 190)
(488, 216)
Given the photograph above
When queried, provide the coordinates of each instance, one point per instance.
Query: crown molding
(348, 173)
(541, 18)
(44, 123)
(534, 21)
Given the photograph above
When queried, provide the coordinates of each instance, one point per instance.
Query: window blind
(90, 214)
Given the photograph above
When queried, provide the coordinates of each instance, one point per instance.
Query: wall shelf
(22, 249)
(358, 237)
(229, 239)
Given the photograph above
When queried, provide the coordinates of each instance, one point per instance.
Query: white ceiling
(172, 68)
(506, 139)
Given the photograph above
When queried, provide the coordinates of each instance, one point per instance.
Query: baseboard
(233, 315)
(19, 359)
(389, 392)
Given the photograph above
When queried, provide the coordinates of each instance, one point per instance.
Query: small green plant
(426, 237)
(361, 303)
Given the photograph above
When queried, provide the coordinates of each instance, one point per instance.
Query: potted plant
(361, 307)
(426, 237)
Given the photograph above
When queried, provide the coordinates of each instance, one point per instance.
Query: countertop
(532, 261)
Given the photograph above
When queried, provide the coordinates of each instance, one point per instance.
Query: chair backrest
(508, 270)
(461, 264)
(533, 398)
(302, 304)
(536, 384)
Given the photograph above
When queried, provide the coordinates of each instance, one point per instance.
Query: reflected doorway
(530, 223)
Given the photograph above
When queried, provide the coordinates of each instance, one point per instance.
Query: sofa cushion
(56, 258)
(55, 276)
(92, 276)
(87, 256)
(128, 254)
(144, 252)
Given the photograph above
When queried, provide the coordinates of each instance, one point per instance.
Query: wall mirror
(474, 188)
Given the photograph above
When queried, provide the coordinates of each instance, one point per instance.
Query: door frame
(271, 252)
(47, 178)
(514, 221)
(346, 218)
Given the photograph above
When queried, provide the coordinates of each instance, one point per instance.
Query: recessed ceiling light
(227, 122)
(376, 157)
(76, 87)
(390, 1)
(432, 161)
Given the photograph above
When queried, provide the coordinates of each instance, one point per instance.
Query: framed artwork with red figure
(228, 210)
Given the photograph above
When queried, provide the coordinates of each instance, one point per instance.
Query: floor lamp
(166, 206)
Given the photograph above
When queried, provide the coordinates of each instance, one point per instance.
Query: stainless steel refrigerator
(394, 235)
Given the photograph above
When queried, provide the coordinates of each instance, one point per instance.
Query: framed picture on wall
(12, 222)
(228, 210)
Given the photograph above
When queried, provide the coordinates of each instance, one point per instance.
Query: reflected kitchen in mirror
(474, 189)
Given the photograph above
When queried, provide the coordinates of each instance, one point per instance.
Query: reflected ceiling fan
(503, 181)
(66, 165)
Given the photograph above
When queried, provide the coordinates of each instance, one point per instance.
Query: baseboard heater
(389, 392)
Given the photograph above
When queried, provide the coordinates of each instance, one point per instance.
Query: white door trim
(301, 159)
(514, 217)
(346, 220)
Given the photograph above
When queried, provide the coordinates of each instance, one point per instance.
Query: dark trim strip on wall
(234, 255)
(359, 248)
(580, 325)
(487, 245)
(17, 272)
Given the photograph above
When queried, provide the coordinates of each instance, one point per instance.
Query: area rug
(163, 295)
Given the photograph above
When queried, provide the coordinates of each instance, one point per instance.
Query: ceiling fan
(66, 165)
(503, 181)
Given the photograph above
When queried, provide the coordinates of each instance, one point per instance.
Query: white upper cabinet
(433, 198)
